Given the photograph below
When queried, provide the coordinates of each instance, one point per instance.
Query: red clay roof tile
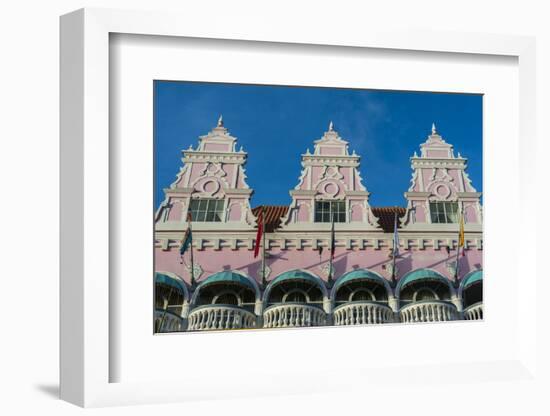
(274, 214)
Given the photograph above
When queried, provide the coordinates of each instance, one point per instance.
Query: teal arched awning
(471, 278)
(228, 277)
(359, 274)
(177, 284)
(421, 275)
(296, 275)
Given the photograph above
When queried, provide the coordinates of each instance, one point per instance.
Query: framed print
(291, 213)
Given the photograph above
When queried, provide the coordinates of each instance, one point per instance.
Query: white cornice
(414, 194)
(178, 191)
(424, 162)
(303, 192)
(191, 156)
(358, 193)
(287, 241)
(330, 158)
(236, 191)
(474, 195)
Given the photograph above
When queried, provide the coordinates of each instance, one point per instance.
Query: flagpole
(393, 249)
(332, 247)
(458, 245)
(191, 246)
(263, 246)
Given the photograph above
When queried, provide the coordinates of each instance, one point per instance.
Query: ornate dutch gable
(214, 170)
(330, 173)
(439, 176)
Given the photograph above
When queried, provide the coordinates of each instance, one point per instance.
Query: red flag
(259, 234)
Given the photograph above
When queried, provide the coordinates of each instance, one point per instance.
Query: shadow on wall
(51, 390)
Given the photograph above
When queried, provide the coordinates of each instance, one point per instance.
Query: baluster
(229, 319)
(219, 320)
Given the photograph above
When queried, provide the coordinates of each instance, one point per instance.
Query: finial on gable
(434, 131)
(331, 126)
(220, 121)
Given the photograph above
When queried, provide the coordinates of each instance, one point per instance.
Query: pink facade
(298, 240)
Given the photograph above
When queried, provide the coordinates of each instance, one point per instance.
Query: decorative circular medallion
(442, 191)
(210, 187)
(330, 189)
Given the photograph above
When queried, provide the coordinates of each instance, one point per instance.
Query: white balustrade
(216, 317)
(288, 315)
(474, 312)
(428, 311)
(362, 313)
(166, 321)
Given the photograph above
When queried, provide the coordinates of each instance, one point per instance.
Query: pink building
(297, 284)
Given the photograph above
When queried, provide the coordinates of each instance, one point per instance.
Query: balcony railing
(215, 317)
(428, 311)
(167, 321)
(288, 315)
(474, 312)
(362, 313)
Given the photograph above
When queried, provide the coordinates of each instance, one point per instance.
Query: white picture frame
(87, 356)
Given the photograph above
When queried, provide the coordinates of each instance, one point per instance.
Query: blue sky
(276, 124)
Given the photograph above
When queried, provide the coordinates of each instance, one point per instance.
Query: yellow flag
(461, 232)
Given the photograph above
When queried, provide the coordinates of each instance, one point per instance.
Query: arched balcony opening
(425, 296)
(295, 299)
(471, 292)
(360, 297)
(171, 299)
(225, 300)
